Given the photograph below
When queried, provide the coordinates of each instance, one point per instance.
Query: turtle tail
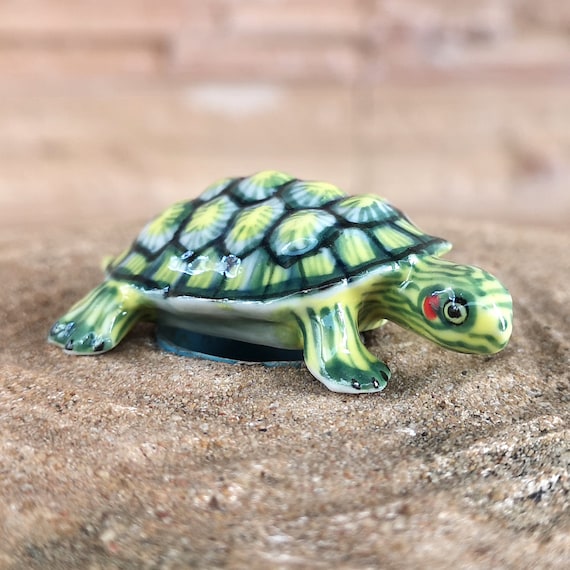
(107, 263)
(110, 262)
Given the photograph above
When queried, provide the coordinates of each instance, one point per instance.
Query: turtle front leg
(99, 321)
(335, 354)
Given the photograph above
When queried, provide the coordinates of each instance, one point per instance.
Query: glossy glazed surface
(279, 262)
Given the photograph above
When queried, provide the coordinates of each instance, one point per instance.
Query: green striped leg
(99, 321)
(335, 354)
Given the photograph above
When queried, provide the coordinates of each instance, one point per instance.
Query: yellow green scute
(401, 236)
(300, 233)
(365, 209)
(250, 275)
(159, 231)
(134, 264)
(164, 270)
(394, 240)
(260, 186)
(208, 222)
(301, 194)
(251, 225)
(215, 189)
(320, 265)
(283, 280)
(404, 225)
(204, 272)
(355, 249)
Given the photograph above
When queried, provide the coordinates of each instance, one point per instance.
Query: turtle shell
(267, 236)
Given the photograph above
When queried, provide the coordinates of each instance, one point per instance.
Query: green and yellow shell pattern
(273, 260)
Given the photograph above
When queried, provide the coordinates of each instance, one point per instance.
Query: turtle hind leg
(99, 321)
(335, 354)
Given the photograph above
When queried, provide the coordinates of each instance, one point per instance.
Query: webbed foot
(340, 376)
(335, 354)
(99, 321)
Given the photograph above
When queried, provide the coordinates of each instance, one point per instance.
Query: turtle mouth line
(219, 349)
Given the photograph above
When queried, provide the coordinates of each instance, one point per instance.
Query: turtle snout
(504, 331)
(497, 322)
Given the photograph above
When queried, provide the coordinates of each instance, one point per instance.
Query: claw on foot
(100, 320)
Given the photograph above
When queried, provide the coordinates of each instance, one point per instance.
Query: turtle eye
(456, 311)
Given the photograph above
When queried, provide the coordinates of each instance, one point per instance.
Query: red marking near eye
(431, 305)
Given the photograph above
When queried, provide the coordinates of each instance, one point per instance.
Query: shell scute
(285, 280)
(301, 194)
(320, 267)
(393, 239)
(160, 230)
(133, 263)
(273, 277)
(203, 272)
(248, 274)
(355, 249)
(366, 209)
(208, 222)
(166, 269)
(251, 225)
(260, 186)
(300, 233)
(216, 189)
(404, 225)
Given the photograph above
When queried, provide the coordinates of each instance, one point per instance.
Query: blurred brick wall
(338, 41)
(453, 107)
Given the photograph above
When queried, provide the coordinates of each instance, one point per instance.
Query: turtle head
(459, 307)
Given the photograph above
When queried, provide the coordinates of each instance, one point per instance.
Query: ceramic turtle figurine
(276, 261)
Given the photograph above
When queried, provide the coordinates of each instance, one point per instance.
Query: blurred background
(110, 110)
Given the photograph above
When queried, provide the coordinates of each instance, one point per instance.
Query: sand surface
(142, 459)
